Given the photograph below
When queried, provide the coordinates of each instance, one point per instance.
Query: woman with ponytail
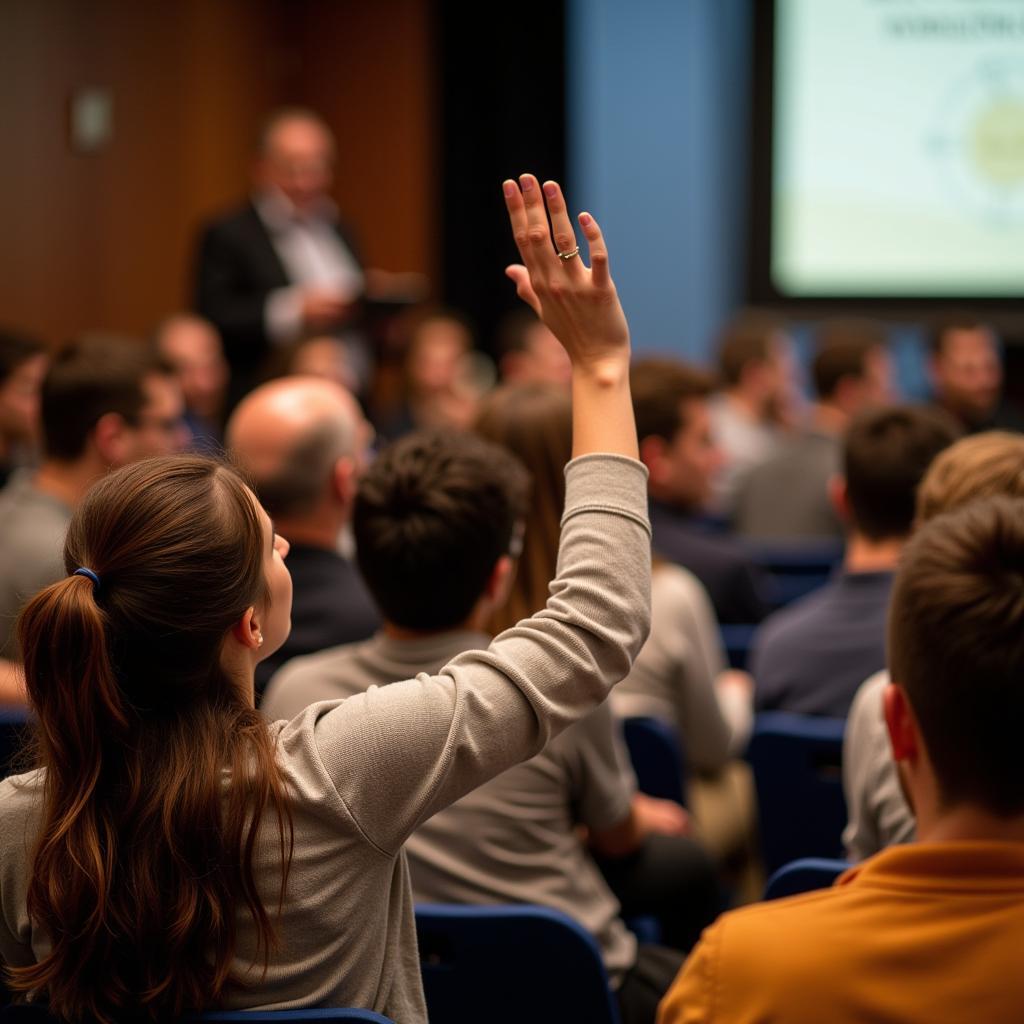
(171, 852)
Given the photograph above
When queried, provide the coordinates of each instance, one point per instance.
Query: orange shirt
(926, 932)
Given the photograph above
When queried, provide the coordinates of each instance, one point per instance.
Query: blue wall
(658, 100)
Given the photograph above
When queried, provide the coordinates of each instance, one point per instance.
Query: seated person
(434, 520)
(191, 345)
(246, 866)
(23, 363)
(303, 442)
(788, 494)
(967, 376)
(528, 353)
(980, 466)
(105, 403)
(811, 656)
(750, 413)
(930, 931)
(670, 400)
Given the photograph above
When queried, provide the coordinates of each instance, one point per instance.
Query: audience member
(528, 353)
(192, 347)
(435, 519)
(324, 356)
(159, 785)
(282, 266)
(980, 466)
(930, 931)
(104, 403)
(788, 494)
(23, 362)
(967, 375)
(811, 656)
(670, 400)
(756, 369)
(440, 391)
(303, 442)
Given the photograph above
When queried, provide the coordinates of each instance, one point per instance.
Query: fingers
(521, 276)
(561, 226)
(540, 257)
(598, 251)
(517, 216)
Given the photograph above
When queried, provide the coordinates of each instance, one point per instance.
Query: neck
(475, 622)
(67, 481)
(321, 531)
(967, 821)
(865, 555)
(829, 419)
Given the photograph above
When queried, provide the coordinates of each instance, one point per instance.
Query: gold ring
(566, 256)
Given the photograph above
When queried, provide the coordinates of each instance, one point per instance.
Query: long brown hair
(158, 769)
(534, 421)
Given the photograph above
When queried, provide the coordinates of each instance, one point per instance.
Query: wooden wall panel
(105, 240)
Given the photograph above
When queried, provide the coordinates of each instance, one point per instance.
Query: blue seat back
(656, 751)
(737, 640)
(510, 965)
(796, 761)
(14, 730)
(796, 567)
(804, 875)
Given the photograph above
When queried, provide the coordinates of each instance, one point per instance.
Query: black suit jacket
(236, 269)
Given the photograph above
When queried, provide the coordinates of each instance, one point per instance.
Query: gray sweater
(366, 771)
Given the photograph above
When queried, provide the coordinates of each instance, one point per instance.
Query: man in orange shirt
(930, 931)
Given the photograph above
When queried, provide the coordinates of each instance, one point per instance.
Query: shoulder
(326, 675)
(238, 222)
(795, 618)
(21, 798)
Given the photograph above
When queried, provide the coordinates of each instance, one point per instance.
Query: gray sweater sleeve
(398, 754)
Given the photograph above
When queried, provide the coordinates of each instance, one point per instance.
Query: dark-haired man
(670, 401)
(23, 362)
(436, 523)
(105, 402)
(967, 376)
(932, 930)
(788, 495)
(811, 656)
(303, 441)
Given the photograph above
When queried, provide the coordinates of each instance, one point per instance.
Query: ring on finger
(566, 256)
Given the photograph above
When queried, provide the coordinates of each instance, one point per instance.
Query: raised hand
(577, 302)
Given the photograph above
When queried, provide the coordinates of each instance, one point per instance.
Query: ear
(900, 723)
(500, 581)
(247, 630)
(838, 497)
(343, 479)
(111, 437)
(652, 455)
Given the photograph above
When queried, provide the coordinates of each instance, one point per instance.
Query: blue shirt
(811, 656)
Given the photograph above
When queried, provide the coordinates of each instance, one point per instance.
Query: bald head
(289, 435)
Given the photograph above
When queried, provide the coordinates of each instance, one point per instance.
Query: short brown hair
(432, 517)
(956, 644)
(747, 338)
(89, 379)
(843, 348)
(886, 454)
(979, 466)
(659, 387)
(959, 320)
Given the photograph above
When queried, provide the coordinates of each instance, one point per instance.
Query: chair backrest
(796, 761)
(656, 751)
(737, 640)
(27, 1013)
(14, 727)
(796, 567)
(510, 965)
(804, 875)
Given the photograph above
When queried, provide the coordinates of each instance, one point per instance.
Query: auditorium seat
(804, 875)
(659, 762)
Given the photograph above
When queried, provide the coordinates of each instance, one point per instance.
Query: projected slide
(898, 156)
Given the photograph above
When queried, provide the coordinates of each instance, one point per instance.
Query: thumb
(521, 276)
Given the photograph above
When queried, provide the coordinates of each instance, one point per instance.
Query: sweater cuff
(607, 483)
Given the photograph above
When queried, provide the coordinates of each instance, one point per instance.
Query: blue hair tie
(88, 572)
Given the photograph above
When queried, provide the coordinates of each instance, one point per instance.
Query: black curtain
(502, 94)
